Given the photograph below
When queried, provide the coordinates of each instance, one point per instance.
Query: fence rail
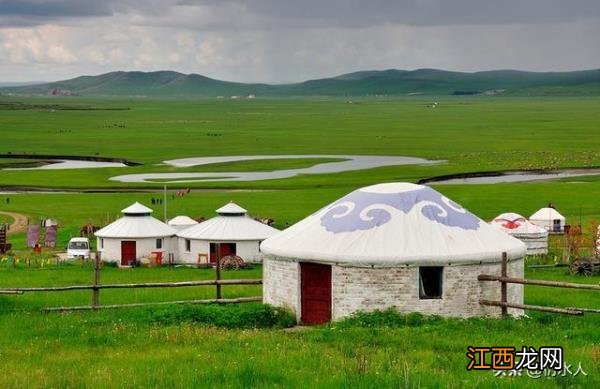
(133, 305)
(504, 280)
(566, 311)
(525, 281)
(246, 281)
(97, 287)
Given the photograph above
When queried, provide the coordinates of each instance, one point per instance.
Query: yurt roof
(137, 209)
(231, 225)
(517, 225)
(390, 225)
(136, 224)
(231, 209)
(182, 220)
(547, 214)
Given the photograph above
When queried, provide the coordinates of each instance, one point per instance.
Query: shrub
(229, 316)
(388, 318)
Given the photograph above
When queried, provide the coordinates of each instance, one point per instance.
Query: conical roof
(182, 220)
(136, 223)
(547, 214)
(231, 225)
(516, 225)
(231, 209)
(393, 224)
(137, 209)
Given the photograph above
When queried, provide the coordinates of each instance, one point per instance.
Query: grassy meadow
(472, 134)
(210, 346)
(175, 347)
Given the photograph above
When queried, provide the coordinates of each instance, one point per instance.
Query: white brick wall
(281, 284)
(363, 289)
(366, 289)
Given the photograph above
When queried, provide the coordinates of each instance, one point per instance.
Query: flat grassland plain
(175, 346)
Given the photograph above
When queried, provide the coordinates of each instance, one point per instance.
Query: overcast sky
(281, 41)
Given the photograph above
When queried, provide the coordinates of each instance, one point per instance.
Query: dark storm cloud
(293, 40)
(414, 12)
(54, 8)
(35, 12)
(297, 13)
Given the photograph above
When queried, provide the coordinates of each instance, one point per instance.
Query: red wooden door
(128, 252)
(315, 290)
(221, 250)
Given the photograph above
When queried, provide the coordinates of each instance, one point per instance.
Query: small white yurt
(134, 236)
(549, 219)
(231, 232)
(181, 222)
(396, 245)
(534, 237)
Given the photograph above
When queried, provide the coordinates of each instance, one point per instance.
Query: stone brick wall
(364, 289)
(281, 284)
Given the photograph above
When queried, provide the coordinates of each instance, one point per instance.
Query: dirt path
(19, 224)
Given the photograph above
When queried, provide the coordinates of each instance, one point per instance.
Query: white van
(78, 248)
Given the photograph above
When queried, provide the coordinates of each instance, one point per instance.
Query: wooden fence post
(218, 271)
(96, 290)
(503, 289)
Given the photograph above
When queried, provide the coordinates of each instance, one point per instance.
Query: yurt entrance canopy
(395, 245)
(181, 222)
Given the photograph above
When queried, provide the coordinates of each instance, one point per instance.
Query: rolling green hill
(385, 82)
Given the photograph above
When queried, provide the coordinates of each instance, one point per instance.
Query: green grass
(137, 348)
(577, 201)
(472, 134)
(213, 346)
(4, 219)
(75, 274)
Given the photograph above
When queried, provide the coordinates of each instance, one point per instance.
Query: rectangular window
(430, 282)
(101, 243)
(159, 243)
(188, 245)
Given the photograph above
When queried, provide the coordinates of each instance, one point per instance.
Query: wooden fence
(96, 287)
(504, 280)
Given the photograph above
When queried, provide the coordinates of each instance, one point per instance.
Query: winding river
(350, 163)
(509, 176)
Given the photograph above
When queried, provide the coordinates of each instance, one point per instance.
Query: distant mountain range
(391, 82)
(22, 83)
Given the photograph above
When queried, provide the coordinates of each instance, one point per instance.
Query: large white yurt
(182, 222)
(549, 219)
(134, 236)
(397, 245)
(534, 237)
(231, 232)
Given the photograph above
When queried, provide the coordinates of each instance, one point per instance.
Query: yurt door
(315, 289)
(128, 252)
(220, 250)
(556, 227)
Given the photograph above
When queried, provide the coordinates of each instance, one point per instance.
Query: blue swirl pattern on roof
(361, 211)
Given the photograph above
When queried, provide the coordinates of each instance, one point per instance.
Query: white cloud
(248, 41)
